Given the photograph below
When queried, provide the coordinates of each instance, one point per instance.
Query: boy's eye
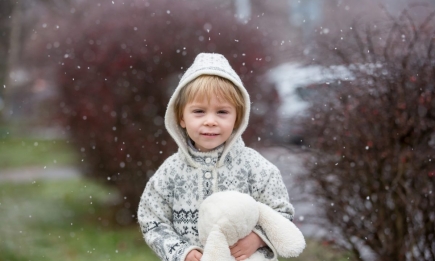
(223, 112)
(198, 111)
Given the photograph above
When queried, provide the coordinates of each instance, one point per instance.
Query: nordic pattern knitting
(172, 196)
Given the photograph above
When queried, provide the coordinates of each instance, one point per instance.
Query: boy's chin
(207, 149)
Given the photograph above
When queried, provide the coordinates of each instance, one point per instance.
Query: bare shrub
(371, 140)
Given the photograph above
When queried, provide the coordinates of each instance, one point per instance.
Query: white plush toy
(225, 217)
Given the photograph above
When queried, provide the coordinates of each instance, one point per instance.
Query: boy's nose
(210, 120)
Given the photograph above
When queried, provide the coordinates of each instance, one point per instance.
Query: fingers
(234, 251)
(237, 253)
(198, 256)
(242, 257)
(194, 255)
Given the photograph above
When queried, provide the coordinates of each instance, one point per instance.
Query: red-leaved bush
(116, 65)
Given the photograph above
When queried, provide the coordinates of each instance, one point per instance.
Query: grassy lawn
(316, 251)
(63, 220)
(15, 152)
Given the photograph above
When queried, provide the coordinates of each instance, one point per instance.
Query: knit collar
(205, 159)
(214, 158)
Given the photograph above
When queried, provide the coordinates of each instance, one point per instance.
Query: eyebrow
(201, 105)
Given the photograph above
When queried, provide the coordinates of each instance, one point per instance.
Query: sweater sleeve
(274, 194)
(155, 219)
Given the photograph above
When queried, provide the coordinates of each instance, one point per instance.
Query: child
(206, 116)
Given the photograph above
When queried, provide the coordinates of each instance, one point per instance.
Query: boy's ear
(182, 123)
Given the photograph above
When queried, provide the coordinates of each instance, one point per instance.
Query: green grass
(64, 220)
(317, 251)
(15, 152)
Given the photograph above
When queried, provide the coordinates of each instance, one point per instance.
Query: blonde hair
(207, 86)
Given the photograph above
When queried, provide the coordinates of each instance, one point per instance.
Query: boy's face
(209, 124)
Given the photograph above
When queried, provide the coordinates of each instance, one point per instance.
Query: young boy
(206, 116)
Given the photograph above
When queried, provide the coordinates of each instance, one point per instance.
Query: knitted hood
(209, 64)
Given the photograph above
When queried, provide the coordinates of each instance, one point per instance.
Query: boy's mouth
(209, 134)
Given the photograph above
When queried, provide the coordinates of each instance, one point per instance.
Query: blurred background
(343, 102)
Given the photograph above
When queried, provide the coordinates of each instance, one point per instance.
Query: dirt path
(35, 173)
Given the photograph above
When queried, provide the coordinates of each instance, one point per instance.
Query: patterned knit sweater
(168, 210)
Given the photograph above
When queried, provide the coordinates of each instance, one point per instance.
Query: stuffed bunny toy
(225, 217)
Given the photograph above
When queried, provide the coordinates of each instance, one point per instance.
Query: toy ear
(216, 247)
(282, 233)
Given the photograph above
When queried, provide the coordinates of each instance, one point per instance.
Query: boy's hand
(194, 255)
(246, 246)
